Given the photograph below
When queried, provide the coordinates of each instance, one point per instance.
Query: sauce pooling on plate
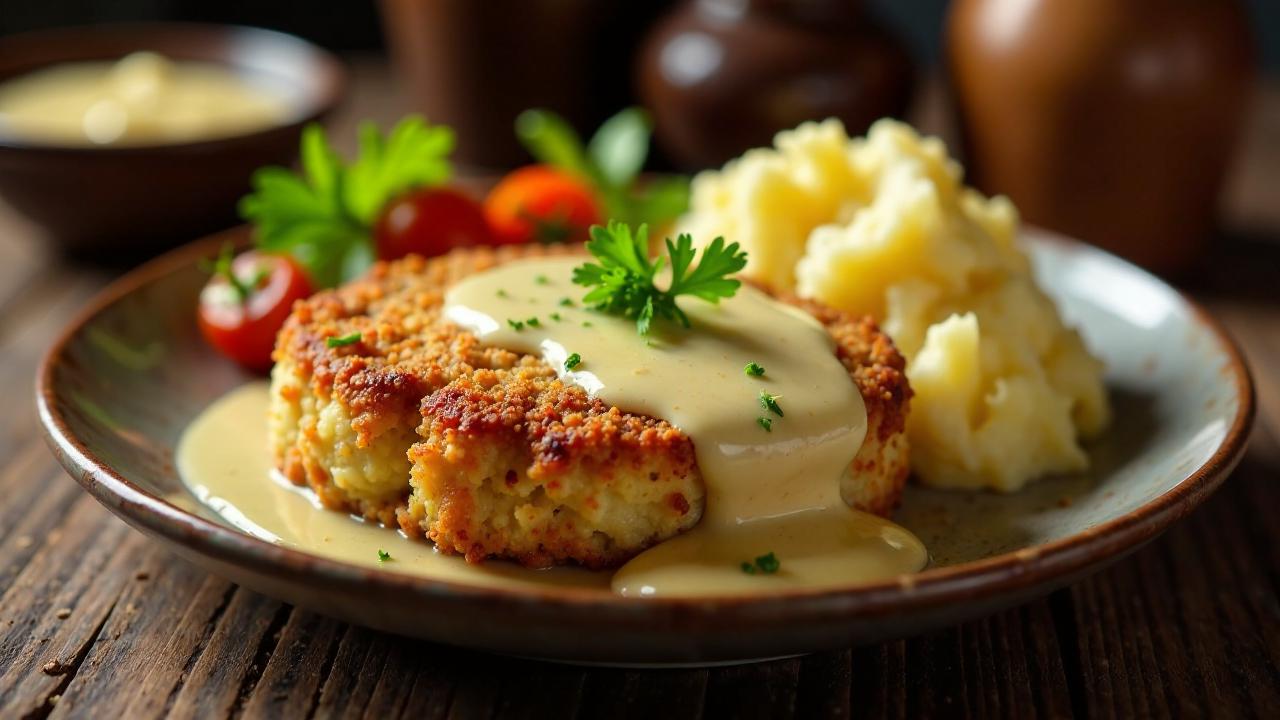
(774, 520)
(143, 99)
(771, 447)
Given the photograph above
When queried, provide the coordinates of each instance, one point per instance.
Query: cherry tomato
(539, 202)
(429, 222)
(241, 319)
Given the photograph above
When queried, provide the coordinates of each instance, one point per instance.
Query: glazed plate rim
(1010, 574)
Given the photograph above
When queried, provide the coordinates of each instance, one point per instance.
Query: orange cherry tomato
(539, 202)
(241, 320)
(429, 222)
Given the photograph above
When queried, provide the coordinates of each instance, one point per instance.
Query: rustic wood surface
(96, 621)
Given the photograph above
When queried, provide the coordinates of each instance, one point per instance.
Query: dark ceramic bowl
(106, 200)
(117, 390)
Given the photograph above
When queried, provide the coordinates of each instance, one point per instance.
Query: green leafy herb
(343, 341)
(622, 282)
(324, 215)
(765, 423)
(515, 324)
(573, 361)
(566, 302)
(221, 267)
(767, 564)
(383, 556)
(541, 279)
(533, 322)
(555, 316)
(753, 369)
(770, 403)
(501, 293)
(611, 161)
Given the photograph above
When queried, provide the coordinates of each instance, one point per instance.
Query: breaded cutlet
(486, 452)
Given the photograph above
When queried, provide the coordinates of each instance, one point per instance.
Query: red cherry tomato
(429, 222)
(539, 202)
(242, 323)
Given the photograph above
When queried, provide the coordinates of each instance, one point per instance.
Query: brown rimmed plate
(117, 389)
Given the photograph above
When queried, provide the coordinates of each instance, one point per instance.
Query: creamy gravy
(224, 461)
(773, 490)
(141, 99)
(767, 491)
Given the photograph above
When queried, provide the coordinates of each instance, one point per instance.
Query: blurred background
(1117, 122)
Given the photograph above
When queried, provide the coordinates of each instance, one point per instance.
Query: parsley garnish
(383, 556)
(573, 361)
(501, 293)
(623, 281)
(770, 403)
(324, 215)
(555, 316)
(541, 279)
(515, 324)
(343, 341)
(533, 322)
(221, 267)
(767, 564)
(753, 369)
(566, 302)
(765, 423)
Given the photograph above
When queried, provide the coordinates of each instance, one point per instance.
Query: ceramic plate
(119, 387)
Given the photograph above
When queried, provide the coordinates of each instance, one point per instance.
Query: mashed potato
(884, 226)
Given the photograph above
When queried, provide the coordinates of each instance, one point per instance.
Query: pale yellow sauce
(767, 491)
(223, 459)
(142, 99)
(775, 491)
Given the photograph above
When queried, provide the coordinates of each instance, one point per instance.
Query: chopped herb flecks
(767, 564)
(586, 323)
(572, 361)
(501, 293)
(754, 369)
(334, 342)
(566, 302)
(555, 316)
(541, 279)
(770, 402)
(533, 322)
(765, 423)
(383, 556)
(515, 324)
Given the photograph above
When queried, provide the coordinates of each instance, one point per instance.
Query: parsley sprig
(622, 281)
(323, 216)
(221, 266)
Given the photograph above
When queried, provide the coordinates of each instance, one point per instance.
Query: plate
(118, 388)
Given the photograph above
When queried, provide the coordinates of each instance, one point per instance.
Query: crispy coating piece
(486, 452)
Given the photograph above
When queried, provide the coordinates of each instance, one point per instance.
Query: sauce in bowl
(142, 99)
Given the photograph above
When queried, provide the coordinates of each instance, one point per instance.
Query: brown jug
(722, 76)
(1110, 120)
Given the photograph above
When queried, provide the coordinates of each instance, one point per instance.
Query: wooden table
(97, 621)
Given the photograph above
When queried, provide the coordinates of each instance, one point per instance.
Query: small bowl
(110, 201)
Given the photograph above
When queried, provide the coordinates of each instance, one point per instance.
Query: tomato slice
(429, 222)
(241, 320)
(539, 202)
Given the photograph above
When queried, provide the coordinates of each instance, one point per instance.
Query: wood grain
(96, 621)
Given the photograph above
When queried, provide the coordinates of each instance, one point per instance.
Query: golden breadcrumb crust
(486, 452)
